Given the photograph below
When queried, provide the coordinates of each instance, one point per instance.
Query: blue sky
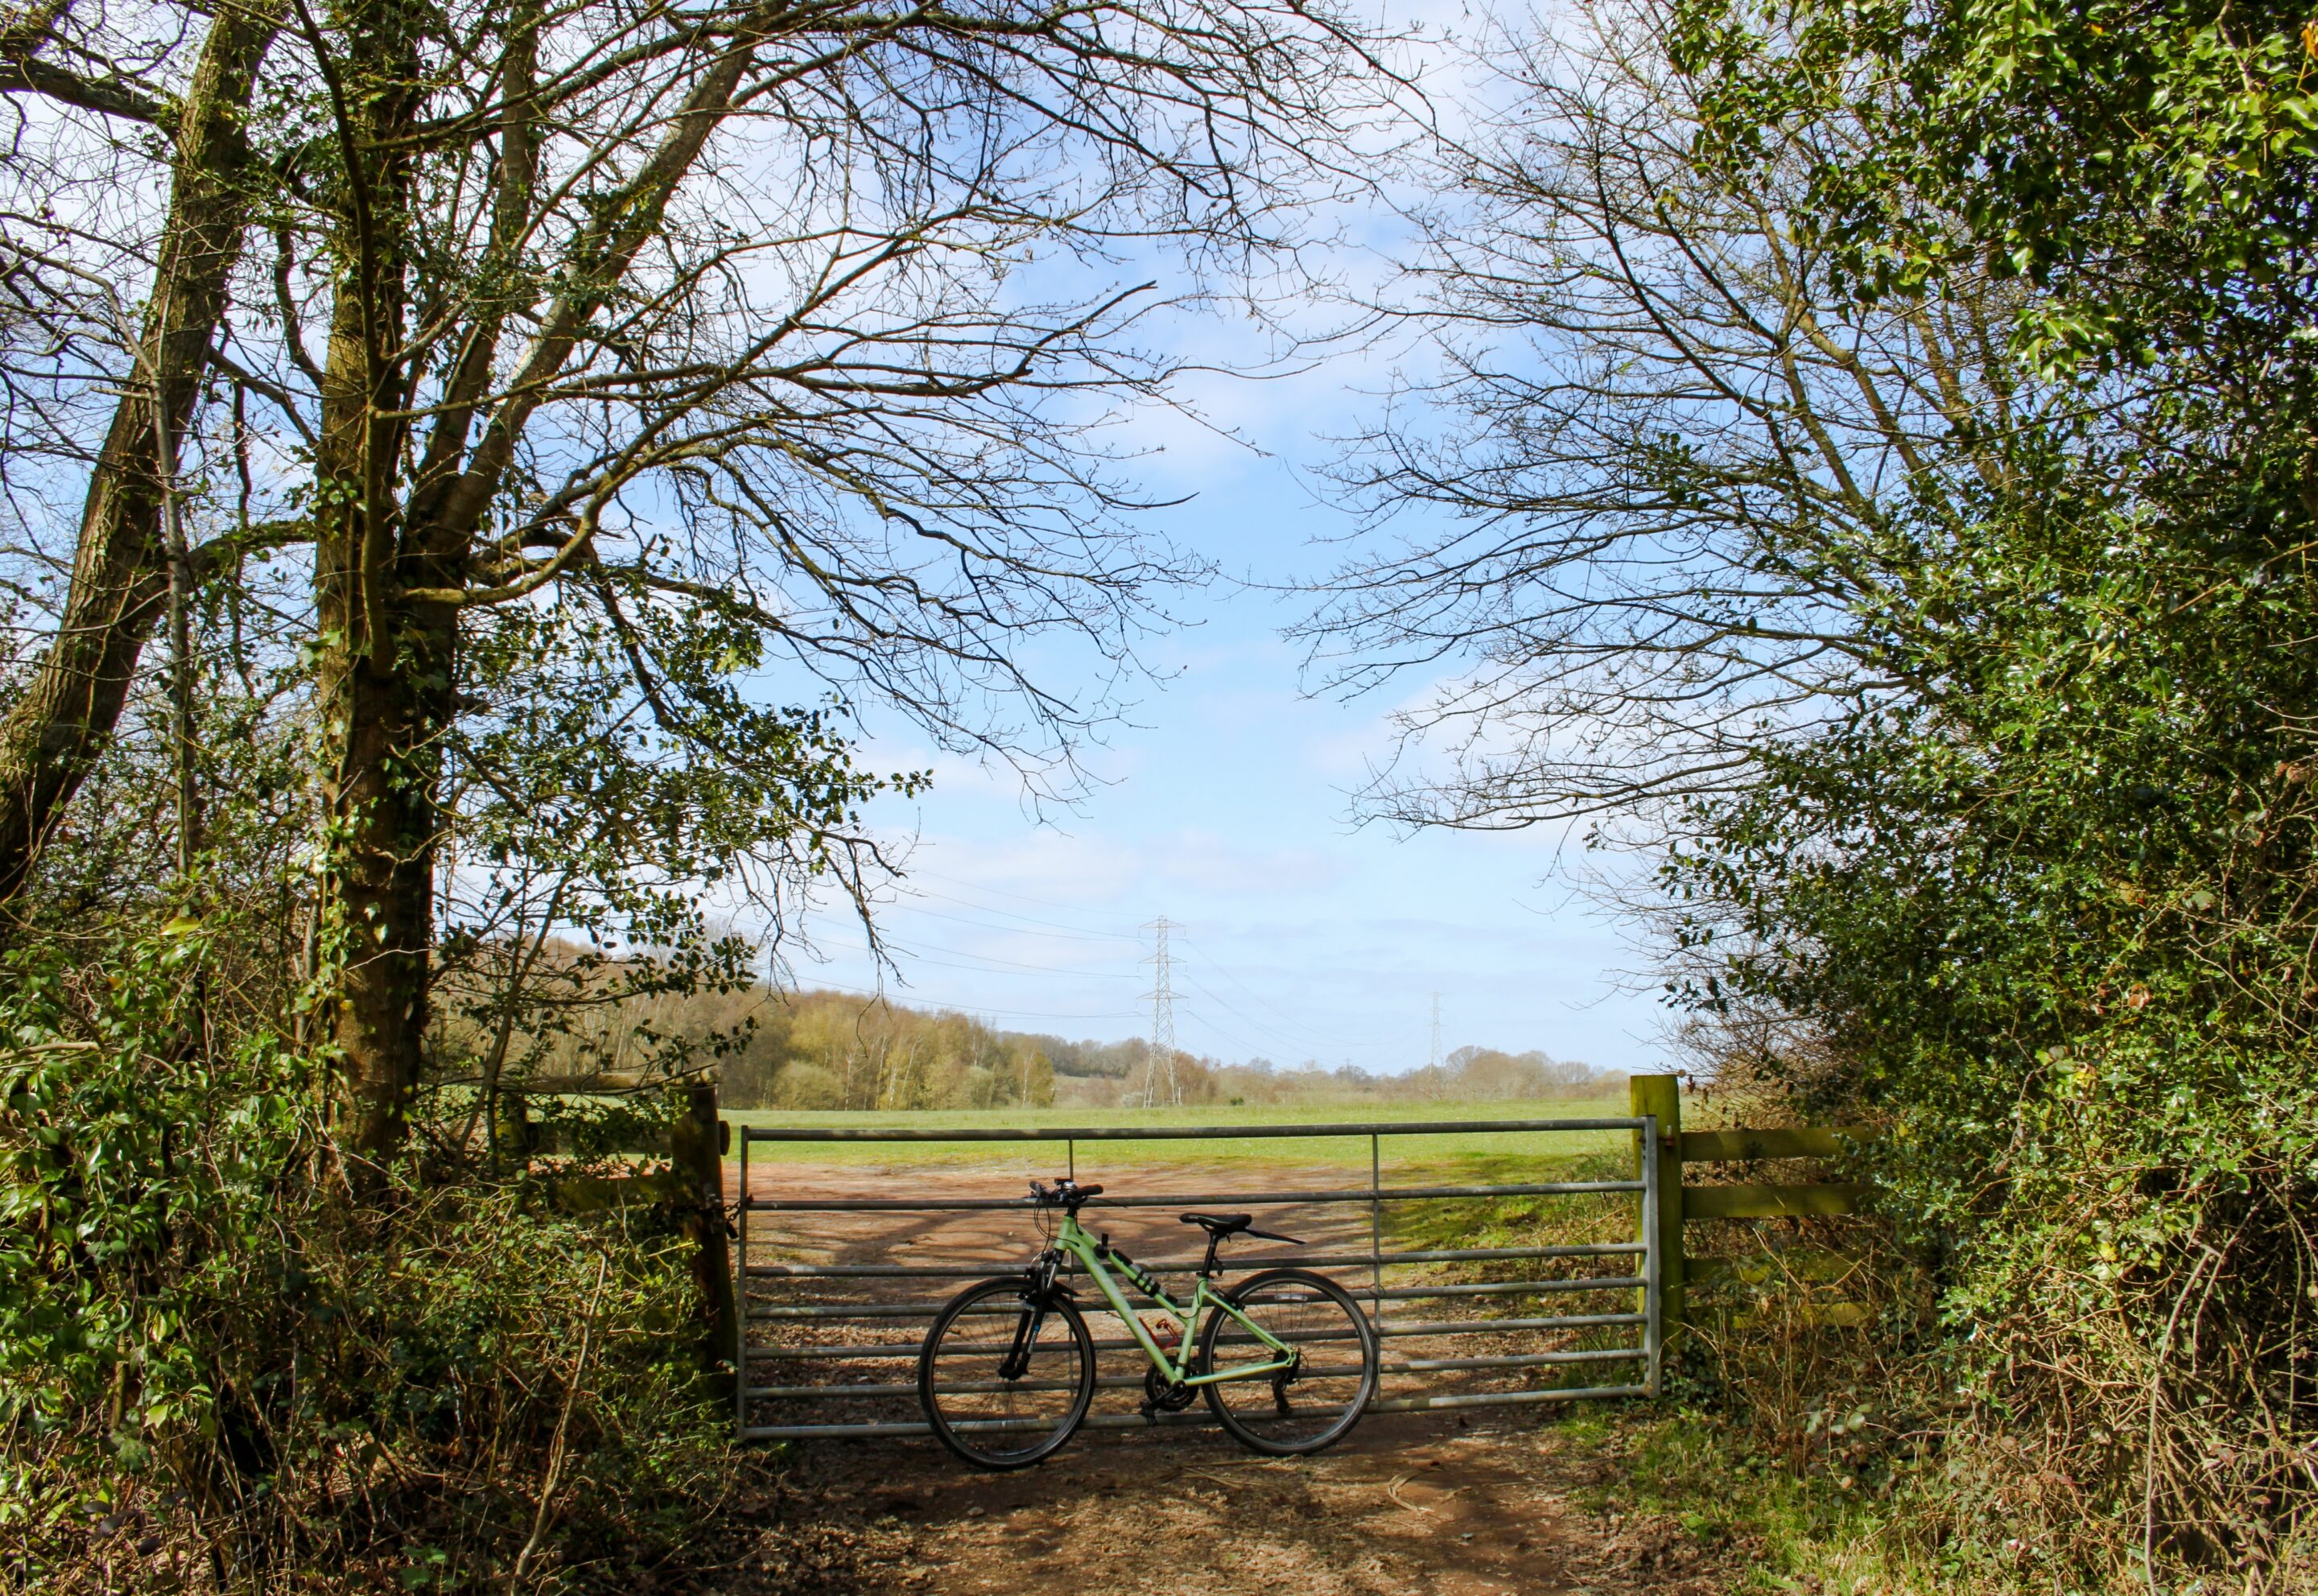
(1225, 806)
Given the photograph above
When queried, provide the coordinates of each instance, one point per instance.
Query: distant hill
(821, 1049)
(587, 1013)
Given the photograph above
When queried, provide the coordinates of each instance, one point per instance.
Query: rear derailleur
(1162, 1395)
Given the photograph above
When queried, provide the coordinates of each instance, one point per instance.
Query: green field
(1502, 1148)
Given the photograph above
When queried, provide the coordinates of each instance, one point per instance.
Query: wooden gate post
(696, 1147)
(1662, 1095)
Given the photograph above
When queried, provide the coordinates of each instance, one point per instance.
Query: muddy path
(1412, 1505)
(1458, 1503)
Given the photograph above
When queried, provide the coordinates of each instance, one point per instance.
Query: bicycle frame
(1095, 1255)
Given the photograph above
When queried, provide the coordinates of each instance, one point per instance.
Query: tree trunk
(52, 733)
(385, 666)
(387, 575)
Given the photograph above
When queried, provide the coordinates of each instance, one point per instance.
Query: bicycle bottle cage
(1137, 1275)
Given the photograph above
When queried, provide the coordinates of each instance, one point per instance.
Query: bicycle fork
(1035, 1290)
(1027, 1325)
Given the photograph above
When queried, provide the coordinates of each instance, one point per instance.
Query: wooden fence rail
(695, 1144)
(1680, 1205)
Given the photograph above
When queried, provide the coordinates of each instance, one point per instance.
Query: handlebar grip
(1061, 1191)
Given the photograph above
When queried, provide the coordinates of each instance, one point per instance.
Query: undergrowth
(1831, 1410)
(221, 1372)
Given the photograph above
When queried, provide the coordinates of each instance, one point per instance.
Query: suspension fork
(1037, 1290)
(1026, 1337)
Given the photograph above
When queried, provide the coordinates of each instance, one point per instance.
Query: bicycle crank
(1162, 1395)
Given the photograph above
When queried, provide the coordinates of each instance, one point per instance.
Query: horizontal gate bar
(1771, 1202)
(1399, 1294)
(1712, 1147)
(1185, 1133)
(1395, 1404)
(867, 1350)
(1396, 1295)
(1208, 1200)
(1500, 1399)
(968, 1272)
(989, 1387)
(1415, 1366)
(1517, 1360)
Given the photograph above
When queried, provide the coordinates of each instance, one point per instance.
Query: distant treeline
(837, 1049)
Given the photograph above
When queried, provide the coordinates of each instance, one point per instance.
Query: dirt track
(1414, 1505)
(1497, 1500)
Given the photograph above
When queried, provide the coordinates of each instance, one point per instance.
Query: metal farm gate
(841, 1266)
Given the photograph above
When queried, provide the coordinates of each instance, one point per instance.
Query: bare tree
(99, 95)
(757, 331)
(1663, 476)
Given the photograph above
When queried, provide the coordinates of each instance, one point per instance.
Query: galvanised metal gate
(825, 1351)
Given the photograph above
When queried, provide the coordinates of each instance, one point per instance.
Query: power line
(960, 919)
(1057, 927)
(1253, 1049)
(976, 886)
(901, 954)
(915, 1002)
(1278, 1037)
(1308, 1032)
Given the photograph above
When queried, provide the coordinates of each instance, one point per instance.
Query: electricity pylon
(1163, 1019)
(1435, 1062)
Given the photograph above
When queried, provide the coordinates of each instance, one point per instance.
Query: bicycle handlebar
(1067, 1194)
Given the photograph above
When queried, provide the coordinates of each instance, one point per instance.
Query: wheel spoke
(1005, 1410)
(1312, 1404)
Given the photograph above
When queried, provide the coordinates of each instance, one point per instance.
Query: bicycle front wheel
(1005, 1381)
(1312, 1406)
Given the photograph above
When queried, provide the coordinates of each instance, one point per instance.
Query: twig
(2156, 1388)
(555, 1447)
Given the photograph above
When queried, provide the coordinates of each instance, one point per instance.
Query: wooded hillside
(827, 1050)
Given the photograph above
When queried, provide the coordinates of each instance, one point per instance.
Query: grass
(1498, 1150)
(1811, 1515)
(1811, 1528)
(1790, 1532)
(1793, 1521)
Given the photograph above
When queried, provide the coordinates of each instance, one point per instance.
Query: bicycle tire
(965, 1426)
(1346, 1400)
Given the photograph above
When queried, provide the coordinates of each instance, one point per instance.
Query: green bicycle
(1286, 1360)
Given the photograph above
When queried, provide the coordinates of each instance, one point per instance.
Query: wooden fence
(694, 1145)
(1681, 1205)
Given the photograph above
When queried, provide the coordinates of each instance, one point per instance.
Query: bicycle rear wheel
(1003, 1381)
(1317, 1403)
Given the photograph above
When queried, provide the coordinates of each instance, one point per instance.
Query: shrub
(213, 1364)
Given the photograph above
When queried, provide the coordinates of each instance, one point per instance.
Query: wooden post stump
(696, 1147)
(1662, 1095)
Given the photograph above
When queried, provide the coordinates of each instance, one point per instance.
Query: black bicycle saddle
(1221, 1225)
